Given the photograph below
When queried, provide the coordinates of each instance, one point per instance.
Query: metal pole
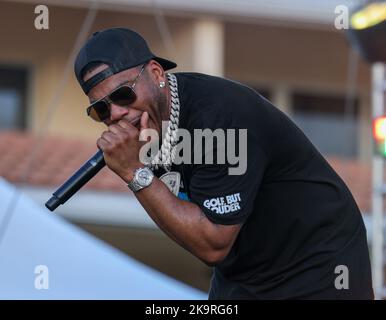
(378, 81)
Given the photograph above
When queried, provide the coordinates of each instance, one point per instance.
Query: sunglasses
(122, 96)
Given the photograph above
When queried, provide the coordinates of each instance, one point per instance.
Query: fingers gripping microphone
(76, 181)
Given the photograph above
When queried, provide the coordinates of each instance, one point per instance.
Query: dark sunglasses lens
(99, 111)
(123, 96)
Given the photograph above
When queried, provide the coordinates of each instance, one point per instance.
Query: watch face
(144, 177)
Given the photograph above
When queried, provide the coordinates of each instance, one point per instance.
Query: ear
(156, 72)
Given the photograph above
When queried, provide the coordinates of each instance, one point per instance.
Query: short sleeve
(224, 198)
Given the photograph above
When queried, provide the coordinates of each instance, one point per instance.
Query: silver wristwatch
(143, 177)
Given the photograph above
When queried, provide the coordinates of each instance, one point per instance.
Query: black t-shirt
(299, 220)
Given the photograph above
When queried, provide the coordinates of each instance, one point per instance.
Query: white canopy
(77, 265)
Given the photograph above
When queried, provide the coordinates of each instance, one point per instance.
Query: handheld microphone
(76, 181)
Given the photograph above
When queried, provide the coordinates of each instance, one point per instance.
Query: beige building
(296, 57)
(290, 51)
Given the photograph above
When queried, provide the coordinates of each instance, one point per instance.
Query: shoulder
(209, 85)
(205, 98)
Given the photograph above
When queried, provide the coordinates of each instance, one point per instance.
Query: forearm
(181, 220)
(184, 222)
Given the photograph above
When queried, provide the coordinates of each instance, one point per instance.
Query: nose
(117, 112)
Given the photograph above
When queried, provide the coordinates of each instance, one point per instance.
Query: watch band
(134, 186)
(138, 182)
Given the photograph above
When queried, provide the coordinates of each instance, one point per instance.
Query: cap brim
(166, 64)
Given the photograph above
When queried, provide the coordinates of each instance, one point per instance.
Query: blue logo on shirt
(183, 196)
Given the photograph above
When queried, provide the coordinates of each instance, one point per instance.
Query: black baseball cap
(120, 49)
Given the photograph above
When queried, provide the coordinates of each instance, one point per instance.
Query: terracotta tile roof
(57, 158)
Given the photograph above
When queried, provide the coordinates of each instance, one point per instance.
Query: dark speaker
(370, 42)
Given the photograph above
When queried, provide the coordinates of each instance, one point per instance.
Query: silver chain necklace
(166, 154)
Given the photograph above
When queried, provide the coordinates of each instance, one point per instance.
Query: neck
(168, 100)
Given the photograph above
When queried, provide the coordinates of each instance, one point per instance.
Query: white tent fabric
(75, 265)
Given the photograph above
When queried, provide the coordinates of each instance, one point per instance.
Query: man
(285, 228)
